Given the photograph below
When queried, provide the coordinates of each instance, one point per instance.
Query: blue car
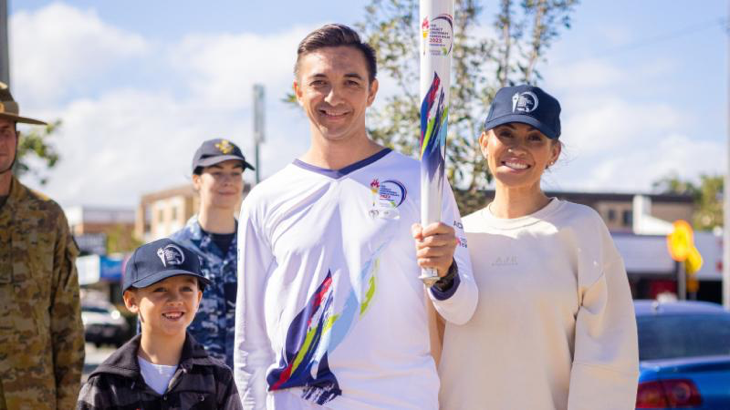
(684, 353)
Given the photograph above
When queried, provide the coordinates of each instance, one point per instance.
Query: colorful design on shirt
(298, 364)
(374, 185)
(317, 330)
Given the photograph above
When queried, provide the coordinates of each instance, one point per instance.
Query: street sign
(680, 241)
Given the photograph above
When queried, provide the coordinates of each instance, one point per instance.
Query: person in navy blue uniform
(218, 167)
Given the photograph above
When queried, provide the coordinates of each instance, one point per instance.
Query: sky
(139, 85)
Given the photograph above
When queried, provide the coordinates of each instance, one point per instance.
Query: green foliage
(34, 147)
(120, 239)
(484, 60)
(707, 196)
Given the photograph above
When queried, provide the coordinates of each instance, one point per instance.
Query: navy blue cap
(159, 260)
(218, 150)
(525, 104)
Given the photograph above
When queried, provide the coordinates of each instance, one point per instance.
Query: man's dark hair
(337, 35)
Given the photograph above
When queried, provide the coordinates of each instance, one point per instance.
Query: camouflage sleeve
(67, 330)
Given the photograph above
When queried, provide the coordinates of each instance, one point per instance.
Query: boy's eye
(187, 289)
(159, 289)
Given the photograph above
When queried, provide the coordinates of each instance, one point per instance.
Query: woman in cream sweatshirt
(555, 325)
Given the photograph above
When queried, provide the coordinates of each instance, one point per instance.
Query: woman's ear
(484, 143)
(557, 148)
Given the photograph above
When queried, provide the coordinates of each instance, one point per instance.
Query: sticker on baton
(437, 29)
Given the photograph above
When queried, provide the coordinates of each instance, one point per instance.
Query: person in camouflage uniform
(218, 167)
(41, 333)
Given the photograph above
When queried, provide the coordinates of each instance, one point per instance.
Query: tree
(483, 62)
(33, 146)
(707, 196)
(120, 239)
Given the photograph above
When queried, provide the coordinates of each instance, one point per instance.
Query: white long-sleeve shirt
(555, 325)
(330, 309)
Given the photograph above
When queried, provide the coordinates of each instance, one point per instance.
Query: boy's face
(167, 307)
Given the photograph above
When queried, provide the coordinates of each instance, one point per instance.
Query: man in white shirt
(330, 312)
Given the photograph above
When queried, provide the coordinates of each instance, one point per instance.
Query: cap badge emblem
(525, 102)
(171, 254)
(224, 147)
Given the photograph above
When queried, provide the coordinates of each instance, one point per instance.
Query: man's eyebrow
(348, 75)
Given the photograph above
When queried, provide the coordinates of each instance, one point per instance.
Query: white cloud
(131, 142)
(591, 126)
(623, 138)
(635, 169)
(121, 142)
(584, 74)
(58, 47)
(221, 69)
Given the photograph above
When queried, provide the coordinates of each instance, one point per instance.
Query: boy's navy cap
(525, 104)
(218, 150)
(159, 260)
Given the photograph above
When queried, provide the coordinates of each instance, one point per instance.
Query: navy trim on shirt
(445, 294)
(339, 173)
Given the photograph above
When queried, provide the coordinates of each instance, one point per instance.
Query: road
(94, 357)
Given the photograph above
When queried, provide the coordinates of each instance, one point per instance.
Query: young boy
(163, 366)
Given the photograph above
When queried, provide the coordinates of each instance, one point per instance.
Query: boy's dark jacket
(200, 382)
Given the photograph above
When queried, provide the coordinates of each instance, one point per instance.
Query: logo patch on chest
(387, 196)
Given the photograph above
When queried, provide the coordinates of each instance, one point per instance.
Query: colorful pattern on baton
(437, 30)
(434, 119)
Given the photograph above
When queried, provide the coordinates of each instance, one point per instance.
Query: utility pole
(726, 187)
(4, 44)
(258, 125)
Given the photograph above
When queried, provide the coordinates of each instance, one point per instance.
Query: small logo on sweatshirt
(506, 261)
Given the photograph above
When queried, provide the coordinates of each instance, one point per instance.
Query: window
(627, 217)
(611, 215)
(672, 336)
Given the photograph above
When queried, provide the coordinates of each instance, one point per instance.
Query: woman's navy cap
(159, 260)
(525, 104)
(218, 150)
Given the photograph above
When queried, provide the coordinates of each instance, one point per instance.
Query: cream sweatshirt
(554, 326)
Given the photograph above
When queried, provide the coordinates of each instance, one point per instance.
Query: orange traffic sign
(680, 242)
(694, 261)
